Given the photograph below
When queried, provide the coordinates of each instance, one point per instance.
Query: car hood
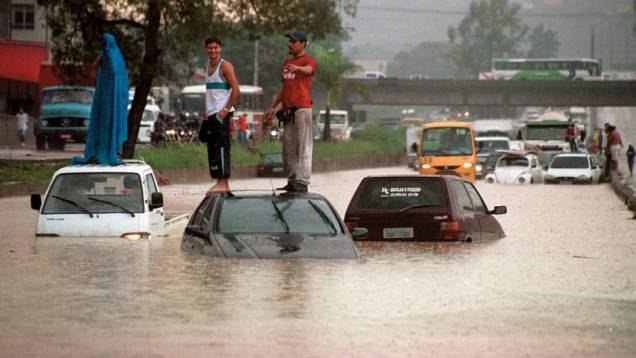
(509, 175)
(287, 246)
(573, 173)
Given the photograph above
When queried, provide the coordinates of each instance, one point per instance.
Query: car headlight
(426, 166)
(273, 133)
(479, 168)
(467, 165)
(45, 123)
(85, 122)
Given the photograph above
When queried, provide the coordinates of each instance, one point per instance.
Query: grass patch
(373, 139)
(28, 170)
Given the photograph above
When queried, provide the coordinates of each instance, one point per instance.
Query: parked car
(573, 168)
(268, 226)
(271, 165)
(516, 168)
(421, 208)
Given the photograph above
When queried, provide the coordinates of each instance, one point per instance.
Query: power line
(464, 13)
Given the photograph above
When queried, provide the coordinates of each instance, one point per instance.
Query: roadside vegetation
(372, 140)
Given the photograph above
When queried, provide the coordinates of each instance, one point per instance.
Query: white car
(573, 168)
(101, 201)
(147, 124)
(516, 168)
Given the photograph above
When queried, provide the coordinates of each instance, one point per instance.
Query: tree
(331, 68)
(427, 58)
(491, 29)
(543, 43)
(145, 28)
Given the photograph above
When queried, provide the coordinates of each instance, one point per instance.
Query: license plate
(398, 233)
(565, 182)
(277, 170)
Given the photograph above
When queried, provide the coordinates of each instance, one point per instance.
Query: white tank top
(217, 91)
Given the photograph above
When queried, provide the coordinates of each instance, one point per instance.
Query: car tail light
(448, 230)
(261, 168)
(351, 225)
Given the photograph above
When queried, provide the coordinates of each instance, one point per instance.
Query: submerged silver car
(268, 226)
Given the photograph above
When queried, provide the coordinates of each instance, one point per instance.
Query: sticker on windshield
(400, 192)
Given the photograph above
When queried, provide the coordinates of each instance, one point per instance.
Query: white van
(338, 122)
(147, 124)
(101, 201)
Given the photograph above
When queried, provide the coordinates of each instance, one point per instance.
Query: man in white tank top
(221, 93)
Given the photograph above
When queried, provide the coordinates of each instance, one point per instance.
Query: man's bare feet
(220, 186)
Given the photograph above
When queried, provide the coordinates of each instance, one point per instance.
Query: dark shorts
(215, 133)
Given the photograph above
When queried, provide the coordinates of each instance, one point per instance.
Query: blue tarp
(108, 128)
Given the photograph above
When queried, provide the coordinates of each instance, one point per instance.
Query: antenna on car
(271, 183)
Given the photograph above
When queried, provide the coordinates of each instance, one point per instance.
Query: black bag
(285, 116)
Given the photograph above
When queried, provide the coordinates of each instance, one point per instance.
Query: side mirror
(545, 167)
(195, 230)
(156, 200)
(498, 210)
(359, 233)
(36, 201)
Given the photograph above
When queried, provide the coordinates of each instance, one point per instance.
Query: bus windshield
(447, 141)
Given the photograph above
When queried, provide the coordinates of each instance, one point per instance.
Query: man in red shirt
(242, 127)
(299, 70)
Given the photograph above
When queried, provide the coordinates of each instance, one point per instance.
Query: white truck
(338, 122)
(103, 201)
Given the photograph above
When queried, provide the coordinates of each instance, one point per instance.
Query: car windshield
(447, 141)
(545, 132)
(95, 193)
(272, 158)
(396, 194)
(486, 146)
(333, 118)
(277, 215)
(513, 162)
(84, 96)
(566, 162)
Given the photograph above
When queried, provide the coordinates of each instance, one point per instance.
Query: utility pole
(592, 43)
(255, 81)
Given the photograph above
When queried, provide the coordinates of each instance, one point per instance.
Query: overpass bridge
(393, 91)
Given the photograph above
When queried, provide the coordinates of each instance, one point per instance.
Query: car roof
(132, 166)
(264, 193)
(450, 123)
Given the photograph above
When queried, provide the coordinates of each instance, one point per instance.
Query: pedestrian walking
(630, 159)
(221, 93)
(242, 129)
(298, 72)
(615, 145)
(22, 124)
(570, 136)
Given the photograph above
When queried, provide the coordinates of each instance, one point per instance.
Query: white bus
(251, 102)
(543, 69)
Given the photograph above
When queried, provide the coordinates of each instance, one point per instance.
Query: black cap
(298, 36)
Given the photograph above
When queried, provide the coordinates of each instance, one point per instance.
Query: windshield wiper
(323, 216)
(414, 206)
(68, 201)
(282, 219)
(113, 204)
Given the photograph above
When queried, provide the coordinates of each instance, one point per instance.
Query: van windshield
(96, 193)
(397, 193)
(447, 141)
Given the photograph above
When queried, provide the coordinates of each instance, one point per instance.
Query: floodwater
(563, 283)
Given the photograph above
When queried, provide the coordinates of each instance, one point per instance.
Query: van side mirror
(359, 233)
(36, 201)
(498, 210)
(156, 200)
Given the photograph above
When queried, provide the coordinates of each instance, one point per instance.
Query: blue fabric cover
(108, 127)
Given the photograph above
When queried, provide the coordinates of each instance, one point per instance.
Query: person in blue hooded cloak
(108, 127)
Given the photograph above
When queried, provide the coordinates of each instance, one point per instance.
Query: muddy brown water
(562, 283)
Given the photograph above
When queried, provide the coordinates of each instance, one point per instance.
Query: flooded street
(562, 283)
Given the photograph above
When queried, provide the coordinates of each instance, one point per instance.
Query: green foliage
(491, 29)
(427, 58)
(28, 170)
(543, 43)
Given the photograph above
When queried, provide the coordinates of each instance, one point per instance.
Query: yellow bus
(447, 147)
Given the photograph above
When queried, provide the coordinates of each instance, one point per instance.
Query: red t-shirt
(297, 85)
(242, 123)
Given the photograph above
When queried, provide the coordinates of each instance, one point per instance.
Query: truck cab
(63, 116)
(101, 201)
